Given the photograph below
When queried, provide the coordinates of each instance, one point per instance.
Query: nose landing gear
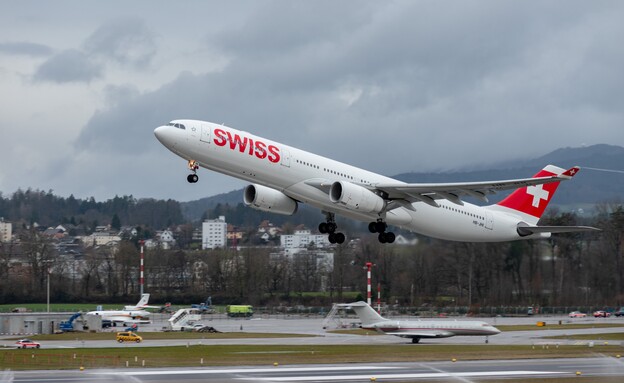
(193, 166)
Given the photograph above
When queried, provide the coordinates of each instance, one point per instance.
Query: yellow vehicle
(128, 336)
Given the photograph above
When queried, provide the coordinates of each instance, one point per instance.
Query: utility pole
(141, 279)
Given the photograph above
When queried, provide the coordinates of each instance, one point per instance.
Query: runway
(443, 371)
(461, 371)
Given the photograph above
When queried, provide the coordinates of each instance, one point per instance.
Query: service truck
(239, 310)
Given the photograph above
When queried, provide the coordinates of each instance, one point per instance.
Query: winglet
(570, 172)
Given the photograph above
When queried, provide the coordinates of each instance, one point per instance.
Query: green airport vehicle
(239, 310)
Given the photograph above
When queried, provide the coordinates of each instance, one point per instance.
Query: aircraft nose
(166, 135)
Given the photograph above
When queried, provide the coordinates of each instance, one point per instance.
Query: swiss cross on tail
(533, 199)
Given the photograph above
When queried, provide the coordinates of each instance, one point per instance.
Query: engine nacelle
(355, 197)
(270, 200)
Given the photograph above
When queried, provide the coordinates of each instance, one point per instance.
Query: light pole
(48, 283)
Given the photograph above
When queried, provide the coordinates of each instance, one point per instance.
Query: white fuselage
(433, 329)
(290, 170)
(123, 316)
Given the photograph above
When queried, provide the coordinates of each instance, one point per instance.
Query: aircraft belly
(461, 223)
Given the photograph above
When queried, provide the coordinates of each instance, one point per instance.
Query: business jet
(142, 304)
(129, 315)
(416, 330)
(282, 177)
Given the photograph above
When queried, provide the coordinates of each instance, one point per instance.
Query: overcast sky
(390, 86)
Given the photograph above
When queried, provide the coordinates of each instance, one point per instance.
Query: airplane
(123, 317)
(282, 177)
(418, 329)
(142, 304)
(130, 314)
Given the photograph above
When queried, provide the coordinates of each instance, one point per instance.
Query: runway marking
(432, 375)
(245, 370)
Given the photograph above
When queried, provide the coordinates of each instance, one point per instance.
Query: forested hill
(588, 187)
(46, 209)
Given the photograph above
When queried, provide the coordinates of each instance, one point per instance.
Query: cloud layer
(389, 86)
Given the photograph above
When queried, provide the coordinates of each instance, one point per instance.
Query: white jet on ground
(281, 177)
(418, 329)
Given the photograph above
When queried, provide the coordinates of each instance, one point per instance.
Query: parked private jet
(418, 329)
(129, 315)
(281, 177)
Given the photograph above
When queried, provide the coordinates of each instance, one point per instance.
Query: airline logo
(532, 200)
(538, 193)
(247, 145)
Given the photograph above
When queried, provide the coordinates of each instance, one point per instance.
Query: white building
(301, 240)
(6, 231)
(214, 233)
(101, 239)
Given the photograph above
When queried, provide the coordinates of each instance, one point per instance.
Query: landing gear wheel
(192, 178)
(382, 238)
(340, 238)
(372, 227)
(380, 226)
(336, 238)
(415, 340)
(330, 227)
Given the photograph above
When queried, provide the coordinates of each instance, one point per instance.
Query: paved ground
(314, 326)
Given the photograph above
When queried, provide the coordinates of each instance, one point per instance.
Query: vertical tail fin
(143, 301)
(366, 313)
(531, 201)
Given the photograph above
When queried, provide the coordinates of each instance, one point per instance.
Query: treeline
(574, 269)
(27, 207)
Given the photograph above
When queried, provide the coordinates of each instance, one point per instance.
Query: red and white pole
(369, 265)
(141, 278)
(379, 298)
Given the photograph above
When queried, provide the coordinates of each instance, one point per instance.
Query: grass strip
(563, 326)
(236, 355)
(157, 335)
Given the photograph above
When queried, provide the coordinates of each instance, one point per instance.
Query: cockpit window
(179, 126)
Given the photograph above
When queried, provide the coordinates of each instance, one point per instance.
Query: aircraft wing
(430, 192)
(421, 334)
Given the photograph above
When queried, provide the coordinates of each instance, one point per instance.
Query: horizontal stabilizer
(528, 230)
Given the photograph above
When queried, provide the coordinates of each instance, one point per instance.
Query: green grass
(564, 326)
(233, 355)
(72, 336)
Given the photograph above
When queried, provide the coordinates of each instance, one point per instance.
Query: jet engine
(355, 197)
(267, 199)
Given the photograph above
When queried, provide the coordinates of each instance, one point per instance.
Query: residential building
(214, 233)
(6, 231)
(302, 240)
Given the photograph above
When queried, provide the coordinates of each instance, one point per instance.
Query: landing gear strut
(329, 227)
(380, 227)
(193, 166)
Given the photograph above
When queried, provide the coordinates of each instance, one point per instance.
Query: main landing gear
(329, 227)
(193, 166)
(380, 227)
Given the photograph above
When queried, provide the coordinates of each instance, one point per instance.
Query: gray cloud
(68, 66)
(388, 86)
(127, 41)
(25, 48)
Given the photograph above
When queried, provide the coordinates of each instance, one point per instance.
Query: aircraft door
(205, 134)
(285, 158)
(489, 220)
